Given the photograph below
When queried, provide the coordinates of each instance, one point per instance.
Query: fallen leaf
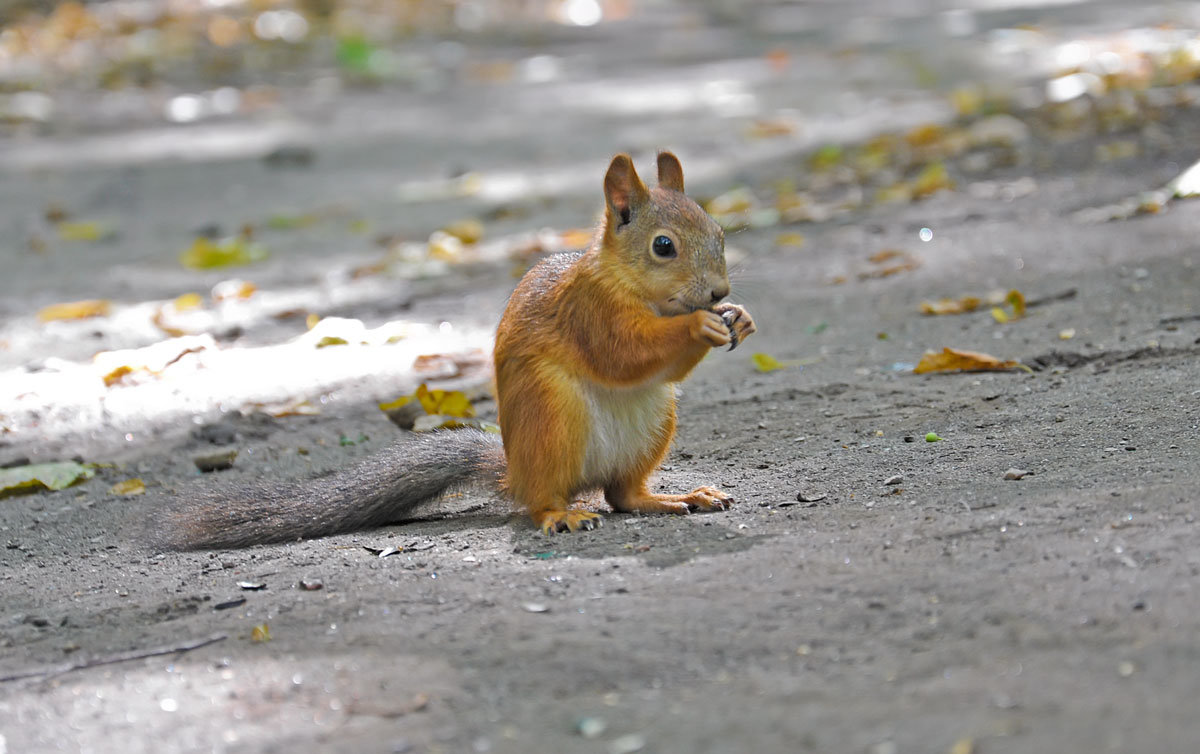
(116, 375)
(205, 254)
(56, 475)
(187, 302)
(332, 340)
(260, 633)
(128, 487)
(468, 231)
(286, 407)
(950, 306)
(291, 222)
(446, 402)
(76, 310)
(85, 231)
(790, 240)
(885, 255)
(233, 289)
(826, 158)
(766, 363)
(952, 359)
(999, 315)
(1016, 300)
(932, 178)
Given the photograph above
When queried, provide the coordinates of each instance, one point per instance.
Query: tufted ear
(670, 172)
(624, 192)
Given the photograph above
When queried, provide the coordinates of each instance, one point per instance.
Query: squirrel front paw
(737, 320)
(710, 328)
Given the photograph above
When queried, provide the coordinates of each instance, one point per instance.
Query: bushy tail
(379, 490)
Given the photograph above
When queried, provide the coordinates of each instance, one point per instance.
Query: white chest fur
(625, 424)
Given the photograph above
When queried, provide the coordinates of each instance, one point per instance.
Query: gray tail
(379, 490)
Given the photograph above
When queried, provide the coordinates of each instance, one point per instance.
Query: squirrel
(587, 355)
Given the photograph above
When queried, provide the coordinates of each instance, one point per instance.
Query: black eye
(664, 248)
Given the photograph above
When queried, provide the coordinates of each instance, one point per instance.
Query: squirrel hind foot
(553, 521)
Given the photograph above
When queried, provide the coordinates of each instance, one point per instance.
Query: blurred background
(227, 177)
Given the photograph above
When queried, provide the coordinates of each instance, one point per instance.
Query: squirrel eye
(663, 247)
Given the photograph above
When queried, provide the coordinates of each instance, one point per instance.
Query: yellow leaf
(117, 375)
(468, 231)
(331, 340)
(188, 301)
(445, 402)
(260, 633)
(400, 402)
(89, 231)
(950, 306)
(76, 310)
(133, 486)
(792, 240)
(766, 363)
(1016, 300)
(999, 315)
(311, 320)
(952, 359)
(932, 178)
(205, 254)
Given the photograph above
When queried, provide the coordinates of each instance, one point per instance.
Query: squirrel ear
(670, 172)
(623, 190)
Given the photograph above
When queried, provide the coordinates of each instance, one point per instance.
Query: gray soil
(870, 591)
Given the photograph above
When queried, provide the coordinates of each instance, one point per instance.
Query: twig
(1060, 296)
(113, 659)
(1179, 318)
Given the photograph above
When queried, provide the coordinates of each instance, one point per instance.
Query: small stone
(1012, 474)
(1130, 447)
(627, 744)
(591, 727)
(897, 479)
(535, 607)
(219, 461)
(1125, 669)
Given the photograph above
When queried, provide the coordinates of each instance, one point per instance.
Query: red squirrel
(587, 355)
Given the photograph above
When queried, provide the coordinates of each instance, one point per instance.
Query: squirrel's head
(666, 247)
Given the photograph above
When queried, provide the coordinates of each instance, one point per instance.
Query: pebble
(535, 607)
(1016, 473)
(627, 744)
(216, 461)
(897, 479)
(591, 727)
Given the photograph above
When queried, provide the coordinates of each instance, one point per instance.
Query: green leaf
(43, 476)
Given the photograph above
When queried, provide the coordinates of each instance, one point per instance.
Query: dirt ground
(870, 591)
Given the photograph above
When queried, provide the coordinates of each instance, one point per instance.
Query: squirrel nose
(720, 293)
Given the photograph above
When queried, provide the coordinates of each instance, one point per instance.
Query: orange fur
(589, 347)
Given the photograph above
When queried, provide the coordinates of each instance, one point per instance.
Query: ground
(871, 591)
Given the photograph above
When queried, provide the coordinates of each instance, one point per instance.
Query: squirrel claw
(737, 320)
(708, 499)
(553, 521)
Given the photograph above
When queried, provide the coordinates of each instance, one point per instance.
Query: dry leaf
(467, 231)
(932, 178)
(952, 359)
(260, 633)
(88, 231)
(128, 487)
(188, 301)
(885, 255)
(766, 363)
(332, 340)
(950, 306)
(205, 254)
(76, 310)
(117, 375)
